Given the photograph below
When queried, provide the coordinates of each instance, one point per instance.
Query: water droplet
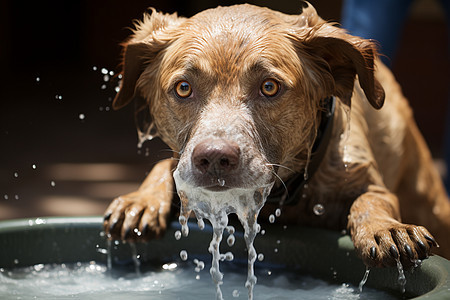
(103, 87)
(229, 256)
(183, 255)
(278, 212)
(16, 174)
(52, 183)
(58, 97)
(16, 261)
(305, 175)
(94, 68)
(263, 232)
(260, 257)
(177, 235)
(221, 182)
(318, 209)
(275, 250)
(34, 166)
(169, 266)
(106, 78)
(272, 218)
(6, 197)
(38, 79)
(111, 73)
(230, 240)
(117, 89)
(200, 265)
(81, 116)
(235, 294)
(231, 229)
(16, 197)
(104, 71)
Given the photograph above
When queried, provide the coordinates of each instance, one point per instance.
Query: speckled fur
(373, 177)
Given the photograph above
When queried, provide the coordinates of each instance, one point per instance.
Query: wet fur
(372, 178)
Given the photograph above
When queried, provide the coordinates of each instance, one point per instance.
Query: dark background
(52, 162)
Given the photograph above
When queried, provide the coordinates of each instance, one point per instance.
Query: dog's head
(237, 90)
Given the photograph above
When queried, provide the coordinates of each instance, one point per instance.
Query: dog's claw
(127, 234)
(422, 246)
(394, 252)
(145, 230)
(431, 241)
(409, 251)
(373, 252)
(107, 216)
(113, 225)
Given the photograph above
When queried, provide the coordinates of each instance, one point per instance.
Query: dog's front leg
(143, 214)
(379, 237)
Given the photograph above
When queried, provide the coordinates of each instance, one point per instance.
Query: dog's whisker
(280, 166)
(170, 150)
(281, 180)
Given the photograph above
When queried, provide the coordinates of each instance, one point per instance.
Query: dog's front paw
(383, 243)
(136, 217)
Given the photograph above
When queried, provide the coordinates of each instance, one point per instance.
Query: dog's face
(237, 90)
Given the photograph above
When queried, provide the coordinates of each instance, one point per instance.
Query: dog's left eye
(183, 89)
(270, 87)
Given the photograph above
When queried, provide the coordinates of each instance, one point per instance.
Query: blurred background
(64, 151)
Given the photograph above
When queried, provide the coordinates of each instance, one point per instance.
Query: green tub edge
(322, 253)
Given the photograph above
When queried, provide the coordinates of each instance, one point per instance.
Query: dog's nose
(216, 157)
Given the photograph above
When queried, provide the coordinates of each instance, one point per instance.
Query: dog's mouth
(216, 188)
(214, 184)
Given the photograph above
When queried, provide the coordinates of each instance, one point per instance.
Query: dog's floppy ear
(339, 54)
(134, 62)
(345, 60)
(148, 39)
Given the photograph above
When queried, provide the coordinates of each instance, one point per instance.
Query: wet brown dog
(248, 96)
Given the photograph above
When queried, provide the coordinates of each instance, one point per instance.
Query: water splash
(109, 254)
(135, 257)
(401, 276)
(216, 206)
(149, 134)
(364, 280)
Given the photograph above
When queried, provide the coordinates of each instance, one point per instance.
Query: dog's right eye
(183, 89)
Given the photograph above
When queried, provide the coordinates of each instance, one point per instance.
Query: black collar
(288, 194)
